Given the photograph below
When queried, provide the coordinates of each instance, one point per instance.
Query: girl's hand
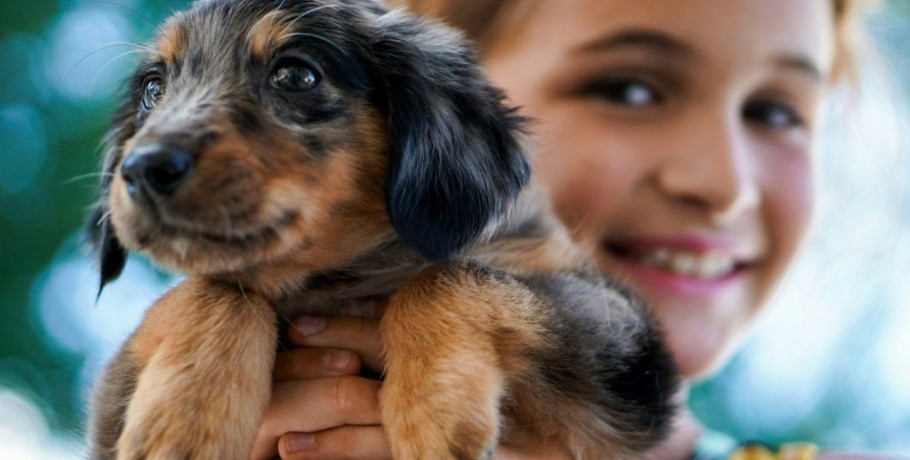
(321, 407)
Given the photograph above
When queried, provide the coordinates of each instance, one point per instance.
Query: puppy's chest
(344, 292)
(531, 242)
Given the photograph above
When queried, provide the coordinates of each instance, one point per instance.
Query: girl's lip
(675, 284)
(695, 243)
(678, 286)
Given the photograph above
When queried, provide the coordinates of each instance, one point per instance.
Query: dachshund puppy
(293, 155)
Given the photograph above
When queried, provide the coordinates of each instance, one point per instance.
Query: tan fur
(529, 255)
(268, 33)
(183, 347)
(171, 41)
(474, 337)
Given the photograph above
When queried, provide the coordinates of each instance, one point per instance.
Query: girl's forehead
(720, 29)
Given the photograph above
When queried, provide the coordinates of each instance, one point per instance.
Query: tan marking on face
(268, 33)
(297, 212)
(171, 40)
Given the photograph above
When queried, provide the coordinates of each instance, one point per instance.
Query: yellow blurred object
(792, 451)
(753, 452)
(798, 451)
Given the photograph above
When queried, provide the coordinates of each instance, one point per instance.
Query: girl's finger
(310, 363)
(360, 335)
(316, 405)
(346, 442)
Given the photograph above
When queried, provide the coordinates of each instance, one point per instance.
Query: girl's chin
(700, 352)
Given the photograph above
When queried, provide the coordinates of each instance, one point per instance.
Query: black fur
(454, 163)
(110, 252)
(617, 360)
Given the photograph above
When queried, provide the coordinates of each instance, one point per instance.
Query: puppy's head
(258, 133)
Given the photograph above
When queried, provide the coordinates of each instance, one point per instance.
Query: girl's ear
(455, 161)
(110, 253)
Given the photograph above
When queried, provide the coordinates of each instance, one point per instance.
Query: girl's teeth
(711, 265)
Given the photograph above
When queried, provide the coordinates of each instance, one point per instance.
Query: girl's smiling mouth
(687, 265)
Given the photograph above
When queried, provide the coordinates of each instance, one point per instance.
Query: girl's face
(675, 138)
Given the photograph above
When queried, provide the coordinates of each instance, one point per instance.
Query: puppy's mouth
(257, 236)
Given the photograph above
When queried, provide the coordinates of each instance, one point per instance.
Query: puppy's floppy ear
(455, 163)
(110, 252)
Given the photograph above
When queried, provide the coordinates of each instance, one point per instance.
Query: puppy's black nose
(157, 168)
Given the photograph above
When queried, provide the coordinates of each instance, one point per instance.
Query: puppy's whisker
(307, 13)
(320, 38)
(264, 321)
(102, 48)
(128, 9)
(85, 176)
(115, 58)
(133, 44)
(275, 17)
(104, 218)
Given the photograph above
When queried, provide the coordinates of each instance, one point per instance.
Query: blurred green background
(829, 362)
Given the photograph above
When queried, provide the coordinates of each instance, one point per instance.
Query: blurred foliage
(50, 152)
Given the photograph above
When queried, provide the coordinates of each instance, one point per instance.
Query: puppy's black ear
(455, 163)
(110, 252)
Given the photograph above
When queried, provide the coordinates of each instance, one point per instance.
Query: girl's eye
(152, 91)
(772, 115)
(629, 92)
(294, 75)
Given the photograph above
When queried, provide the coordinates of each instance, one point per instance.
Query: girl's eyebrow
(665, 44)
(799, 63)
(648, 39)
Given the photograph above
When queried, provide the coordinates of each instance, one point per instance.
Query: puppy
(292, 155)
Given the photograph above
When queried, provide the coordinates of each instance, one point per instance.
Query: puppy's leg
(111, 394)
(208, 351)
(445, 375)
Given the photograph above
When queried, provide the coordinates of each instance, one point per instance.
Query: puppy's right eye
(294, 75)
(152, 91)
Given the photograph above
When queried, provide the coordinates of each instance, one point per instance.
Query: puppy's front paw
(438, 428)
(167, 436)
(187, 427)
(444, 382)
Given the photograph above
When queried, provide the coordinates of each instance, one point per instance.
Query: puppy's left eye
(294, 75)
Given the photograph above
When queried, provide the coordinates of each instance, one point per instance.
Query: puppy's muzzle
(157, 170)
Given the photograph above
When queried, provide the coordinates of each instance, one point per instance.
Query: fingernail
(308, 325)
(336, 360)
(300, 441)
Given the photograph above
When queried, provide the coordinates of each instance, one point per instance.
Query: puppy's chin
(182, 244)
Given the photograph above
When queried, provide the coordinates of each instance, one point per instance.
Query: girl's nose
(712, 169)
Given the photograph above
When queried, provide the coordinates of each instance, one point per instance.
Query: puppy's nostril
(157, 168)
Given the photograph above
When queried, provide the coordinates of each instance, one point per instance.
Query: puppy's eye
(294, 75)
(152, 91)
